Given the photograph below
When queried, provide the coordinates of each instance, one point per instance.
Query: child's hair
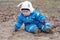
(25, 9)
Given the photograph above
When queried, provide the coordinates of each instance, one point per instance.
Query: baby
(33, 20)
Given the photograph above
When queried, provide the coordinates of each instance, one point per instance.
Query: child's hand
(43, 22)
(16, 30)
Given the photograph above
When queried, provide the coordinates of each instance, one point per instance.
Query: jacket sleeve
(40, 17)
(18, 22)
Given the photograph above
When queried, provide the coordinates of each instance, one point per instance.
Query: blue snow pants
(33, 27)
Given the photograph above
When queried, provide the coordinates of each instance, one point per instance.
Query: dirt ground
(8, 14)
(6, 33)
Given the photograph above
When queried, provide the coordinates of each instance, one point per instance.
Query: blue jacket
(34, 18)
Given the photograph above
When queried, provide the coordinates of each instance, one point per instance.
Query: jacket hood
(26, 5)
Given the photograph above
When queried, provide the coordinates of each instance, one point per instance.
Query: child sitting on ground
(33, 20)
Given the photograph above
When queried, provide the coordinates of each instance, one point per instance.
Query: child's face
(26, 12)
